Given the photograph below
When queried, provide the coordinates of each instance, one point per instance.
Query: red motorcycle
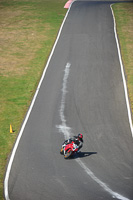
(68, 149)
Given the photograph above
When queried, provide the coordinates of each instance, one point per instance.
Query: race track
(82, 92)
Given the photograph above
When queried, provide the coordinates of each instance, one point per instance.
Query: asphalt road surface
(82, 92)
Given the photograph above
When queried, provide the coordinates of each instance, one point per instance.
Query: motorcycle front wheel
(62, 151)
(67, 154)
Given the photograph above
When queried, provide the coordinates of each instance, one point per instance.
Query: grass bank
(124, 18)
(28, 29)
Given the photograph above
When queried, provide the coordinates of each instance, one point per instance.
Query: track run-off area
(82, 90)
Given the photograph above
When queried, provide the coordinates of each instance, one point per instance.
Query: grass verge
(28, 30)
(124, 21)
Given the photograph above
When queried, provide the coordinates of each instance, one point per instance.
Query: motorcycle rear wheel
(68, 154)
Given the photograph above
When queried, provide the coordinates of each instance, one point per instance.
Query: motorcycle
(68, 149)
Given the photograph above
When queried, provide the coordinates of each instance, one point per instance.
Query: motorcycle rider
(78, 140)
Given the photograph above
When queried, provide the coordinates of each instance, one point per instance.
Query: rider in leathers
(78, 140)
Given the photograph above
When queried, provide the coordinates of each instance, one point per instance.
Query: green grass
(28, 30)
(124, 19)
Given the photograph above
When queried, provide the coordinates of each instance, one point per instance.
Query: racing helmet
(80, 136)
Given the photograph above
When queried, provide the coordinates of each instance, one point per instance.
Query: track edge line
(7, 173)
(123, 74)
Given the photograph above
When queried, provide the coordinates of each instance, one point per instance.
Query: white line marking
(63, 128)
(102, 184)
(67, 133)
(123, 75)
(6, 192)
